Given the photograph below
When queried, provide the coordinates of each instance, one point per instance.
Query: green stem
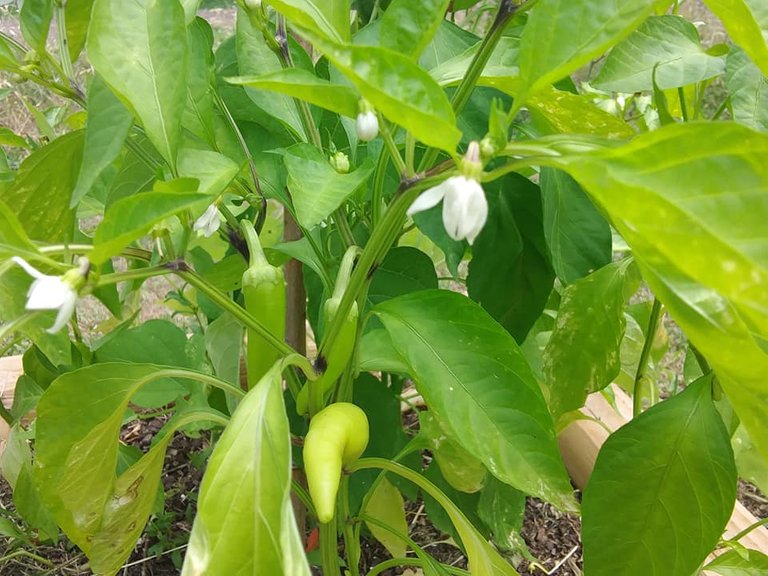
(328, 548)
(303, 495)
(135, 274)
(200, 377)
(748, 529)
(722, 108)
(34, 557)
(701, 360)
(61, 29)
(507, 9)
(345, 230)
(377, 195)
(6, 415)
(222, 300)
(351, 542)
(642, 366)
(389, 142)
(683, 104)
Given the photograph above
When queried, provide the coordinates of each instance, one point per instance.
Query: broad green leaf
(77, 16)
(330, 18)
(78, 424)
(746, 22)
(304, 85)
(199, 114)
(35, 20)
(316, 188)
(386, 505)
(408, 26)
(214, 171)
(748, 87)
(404, 269)
(750, 463)
(668, 43)
(474, 377)
(42, 189)
(377, 353)
(130, 218)
(449, 41)
(741, 562)
(578, 236)
(223, 342)
(133, 176)
(140, 49)
(190, 9)
(254, 57)
(12, 234)
(562, 35)
(105, 133)
(557, 112)
(245, 522)
(29, 504)
(502, 508)
(9, 138)
(510, 274)
(500, 72)
(157, 342)
(461, 470)
(399, 89)
(582, 355)
(670, 472)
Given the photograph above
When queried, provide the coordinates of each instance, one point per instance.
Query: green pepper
(264, 292)
(333, 364)
(337, 436)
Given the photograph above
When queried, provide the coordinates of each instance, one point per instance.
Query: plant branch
(642, 366)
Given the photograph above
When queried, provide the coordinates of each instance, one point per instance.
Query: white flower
(208, 224)
(465, 208)
(50, 293)
(367, 126)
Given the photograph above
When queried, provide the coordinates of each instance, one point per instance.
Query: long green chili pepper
(264, 293)
(313, 396)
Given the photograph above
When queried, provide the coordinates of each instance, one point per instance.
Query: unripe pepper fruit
(264, 293)
(337, 436)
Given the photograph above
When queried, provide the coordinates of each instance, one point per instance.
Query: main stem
(642, 366)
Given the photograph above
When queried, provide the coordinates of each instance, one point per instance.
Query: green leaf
(399, 89)
(78, 424)
(245, 522)
(214, 171)
(254, 57)
(154, 342)
(510, 274)
(404, 269)
(578, 236)
(502, 508)
(329, 18)
(386, 505)
(140, 49)
(408, 27)
(223, 342)
(741, 562)
(462, 470)
(77, 16)
(9, 138)
(190, 9)
(316, 188)
(748, 88)
(35, 19)
(40, 194)
(501, 71)
(583, 352)
(746, 22)
(671, 473)
(557, 112)
(562, 35)
(670, 44)
(377, 353)
(133, 176)
(199, 114)
(475, 379)
(12, 234)
(751, 465)
(130, 218)
(304, 85)
(108, 125)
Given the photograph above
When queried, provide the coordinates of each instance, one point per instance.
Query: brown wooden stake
(295, 296)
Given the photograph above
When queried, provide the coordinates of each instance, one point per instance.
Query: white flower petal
(480, 213)
(48, 293)
(208, 223)
(465, 208)
(65, 313)
(428, 199)
(28, 268)
(367, 126)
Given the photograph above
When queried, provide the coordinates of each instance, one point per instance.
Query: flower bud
(340, 162)
(367, 126)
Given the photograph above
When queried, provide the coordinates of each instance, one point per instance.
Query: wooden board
(10, 370)
(581, 441)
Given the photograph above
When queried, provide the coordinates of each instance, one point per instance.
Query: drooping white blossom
(50, 293)
(208, 223)
(367, 126)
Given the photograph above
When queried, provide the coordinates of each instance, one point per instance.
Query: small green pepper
(341, 349)
(337, 436)
(264, 292)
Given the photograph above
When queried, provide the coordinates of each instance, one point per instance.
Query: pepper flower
(209, 222)
(465, 208)
(55, 292)
(367, 124)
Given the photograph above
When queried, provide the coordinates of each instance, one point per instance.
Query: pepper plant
(453, 203)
